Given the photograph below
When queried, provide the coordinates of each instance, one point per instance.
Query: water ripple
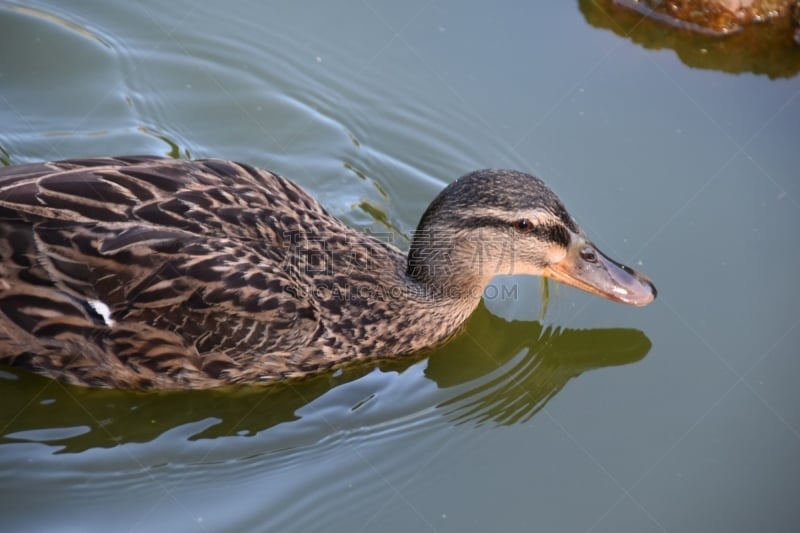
(60, 20)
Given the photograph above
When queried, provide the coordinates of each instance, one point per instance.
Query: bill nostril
(589, 255)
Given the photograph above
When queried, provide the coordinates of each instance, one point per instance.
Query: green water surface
(589, 417)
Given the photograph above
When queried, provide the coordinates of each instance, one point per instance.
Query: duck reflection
(496, 370)
(507, 378)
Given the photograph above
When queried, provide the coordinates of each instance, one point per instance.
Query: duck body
(146, 272)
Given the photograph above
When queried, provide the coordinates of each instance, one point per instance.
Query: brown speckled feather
(213, 272)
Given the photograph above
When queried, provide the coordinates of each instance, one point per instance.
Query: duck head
(494, 222)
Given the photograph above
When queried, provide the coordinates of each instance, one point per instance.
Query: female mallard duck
(145, 272)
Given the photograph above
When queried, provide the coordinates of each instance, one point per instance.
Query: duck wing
(177, 266)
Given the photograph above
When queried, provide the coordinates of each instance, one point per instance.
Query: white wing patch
(103, 310)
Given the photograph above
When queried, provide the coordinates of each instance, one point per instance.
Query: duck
(146, 272)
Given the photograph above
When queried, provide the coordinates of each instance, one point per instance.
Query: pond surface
(582, 416)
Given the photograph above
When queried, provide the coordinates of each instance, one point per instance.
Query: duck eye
(523, 225)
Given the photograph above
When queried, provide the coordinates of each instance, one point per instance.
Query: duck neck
(433, 307)
(448, 268)
(444, 291)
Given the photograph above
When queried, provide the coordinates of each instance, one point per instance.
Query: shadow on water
(760, 48)
(507, 376)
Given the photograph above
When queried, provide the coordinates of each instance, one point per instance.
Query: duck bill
(587, 268)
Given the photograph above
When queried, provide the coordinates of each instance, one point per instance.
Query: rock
(749, 38)
(717, 17)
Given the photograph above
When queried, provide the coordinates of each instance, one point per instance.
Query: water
(590, 417)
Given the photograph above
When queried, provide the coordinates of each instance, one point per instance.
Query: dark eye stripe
(554, 233)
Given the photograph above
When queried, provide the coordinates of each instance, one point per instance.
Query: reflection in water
(528, 373)
(759, 48)
(506, 376)
(174, 150)
(117, 416)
